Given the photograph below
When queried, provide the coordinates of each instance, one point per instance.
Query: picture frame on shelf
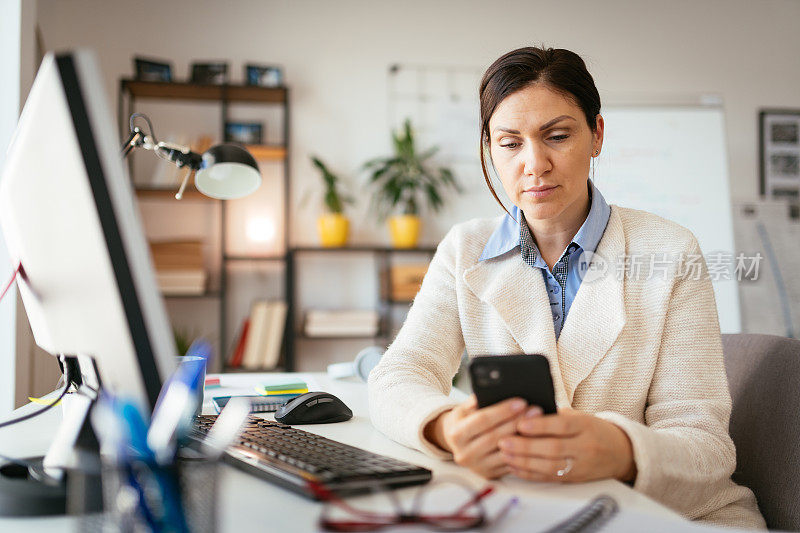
(210, 73)
(151, 70)
(244, 132)
(779, 151)
(263, 75)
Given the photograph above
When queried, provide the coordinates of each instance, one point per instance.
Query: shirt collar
(507, 235)
(588, 237)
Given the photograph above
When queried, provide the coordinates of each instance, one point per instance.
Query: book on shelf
(179, 267)
(262, 345)
(274, 340)
(238, 352)
(187, 282)
(342, 323)
(259, 314)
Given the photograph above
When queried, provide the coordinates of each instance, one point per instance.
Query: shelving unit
(385, 302)
(132, 90)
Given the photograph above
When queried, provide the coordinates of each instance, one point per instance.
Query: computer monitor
(69, 216)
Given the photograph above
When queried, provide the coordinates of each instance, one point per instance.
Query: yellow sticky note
(43, 401)
(295, 391)
(264, 392)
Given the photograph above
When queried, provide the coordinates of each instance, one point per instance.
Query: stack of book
(179, 267)
(260, 337)
(342, 323)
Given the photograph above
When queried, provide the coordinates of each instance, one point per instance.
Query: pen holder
(138, 496)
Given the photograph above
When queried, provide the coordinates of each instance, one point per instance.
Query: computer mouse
(313, 408)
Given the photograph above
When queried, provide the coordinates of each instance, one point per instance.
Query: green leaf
(332, 195)
(428, 153)
(404, 179)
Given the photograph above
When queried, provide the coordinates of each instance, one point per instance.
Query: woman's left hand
(579, 446)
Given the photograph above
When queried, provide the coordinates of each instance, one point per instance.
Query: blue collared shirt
(563, 282)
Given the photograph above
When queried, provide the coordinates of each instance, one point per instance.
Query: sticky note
(283, 386)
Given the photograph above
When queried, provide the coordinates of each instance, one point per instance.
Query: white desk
(247, 502)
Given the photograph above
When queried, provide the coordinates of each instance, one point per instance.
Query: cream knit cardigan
(644, 354)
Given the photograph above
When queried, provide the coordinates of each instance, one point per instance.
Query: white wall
(10, 30)
(336, 54)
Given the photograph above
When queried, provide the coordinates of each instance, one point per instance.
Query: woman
(636, 356)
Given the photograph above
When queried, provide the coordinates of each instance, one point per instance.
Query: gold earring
(596, 153)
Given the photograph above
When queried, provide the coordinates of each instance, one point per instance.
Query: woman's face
(541, 147)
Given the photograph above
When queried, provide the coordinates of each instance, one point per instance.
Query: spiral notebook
(258, 404)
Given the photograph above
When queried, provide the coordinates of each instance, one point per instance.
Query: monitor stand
(38, 486)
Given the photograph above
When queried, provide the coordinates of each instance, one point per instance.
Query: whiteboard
(672, 161)
(770, 298)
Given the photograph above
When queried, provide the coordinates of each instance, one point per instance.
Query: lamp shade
(227, 171)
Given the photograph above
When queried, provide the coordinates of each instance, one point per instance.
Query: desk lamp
(224, 171)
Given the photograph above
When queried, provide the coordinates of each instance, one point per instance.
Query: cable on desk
(46, 407)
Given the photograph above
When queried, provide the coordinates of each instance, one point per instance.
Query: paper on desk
(530, 514)
(245, 384)
(534, 515)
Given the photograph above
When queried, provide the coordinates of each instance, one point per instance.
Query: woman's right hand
(472, 434)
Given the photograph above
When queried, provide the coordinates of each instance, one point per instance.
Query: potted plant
(333, 226)
(183, 340)
(403, 181)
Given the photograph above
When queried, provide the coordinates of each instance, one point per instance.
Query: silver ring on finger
(569, 462)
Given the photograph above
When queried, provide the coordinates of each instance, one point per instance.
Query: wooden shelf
(194, 91)
(392, 301)
(239, 370)
(211, 294)
(275, 258)
(366, 249)
(168, 193)
(266, 152)
(225, 97)
(379, 335)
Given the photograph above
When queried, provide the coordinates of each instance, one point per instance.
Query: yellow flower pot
(404, 230)
(333, 229)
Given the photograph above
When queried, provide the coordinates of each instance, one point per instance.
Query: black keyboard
(291, 457)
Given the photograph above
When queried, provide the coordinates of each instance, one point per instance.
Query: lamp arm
(241, 181)
(178, 154)
(135, 140)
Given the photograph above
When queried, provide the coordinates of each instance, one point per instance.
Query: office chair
(764, 378)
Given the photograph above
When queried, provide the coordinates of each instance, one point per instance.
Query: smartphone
(498, 377)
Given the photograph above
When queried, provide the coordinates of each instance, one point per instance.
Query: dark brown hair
(560, 70)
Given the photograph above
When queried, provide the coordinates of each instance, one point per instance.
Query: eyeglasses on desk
(431, 508)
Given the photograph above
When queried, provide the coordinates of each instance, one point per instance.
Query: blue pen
(167, 483)
(114, 434)
(143, 507)
(137, 429)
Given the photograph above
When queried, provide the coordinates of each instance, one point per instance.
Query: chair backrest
(764, 378)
